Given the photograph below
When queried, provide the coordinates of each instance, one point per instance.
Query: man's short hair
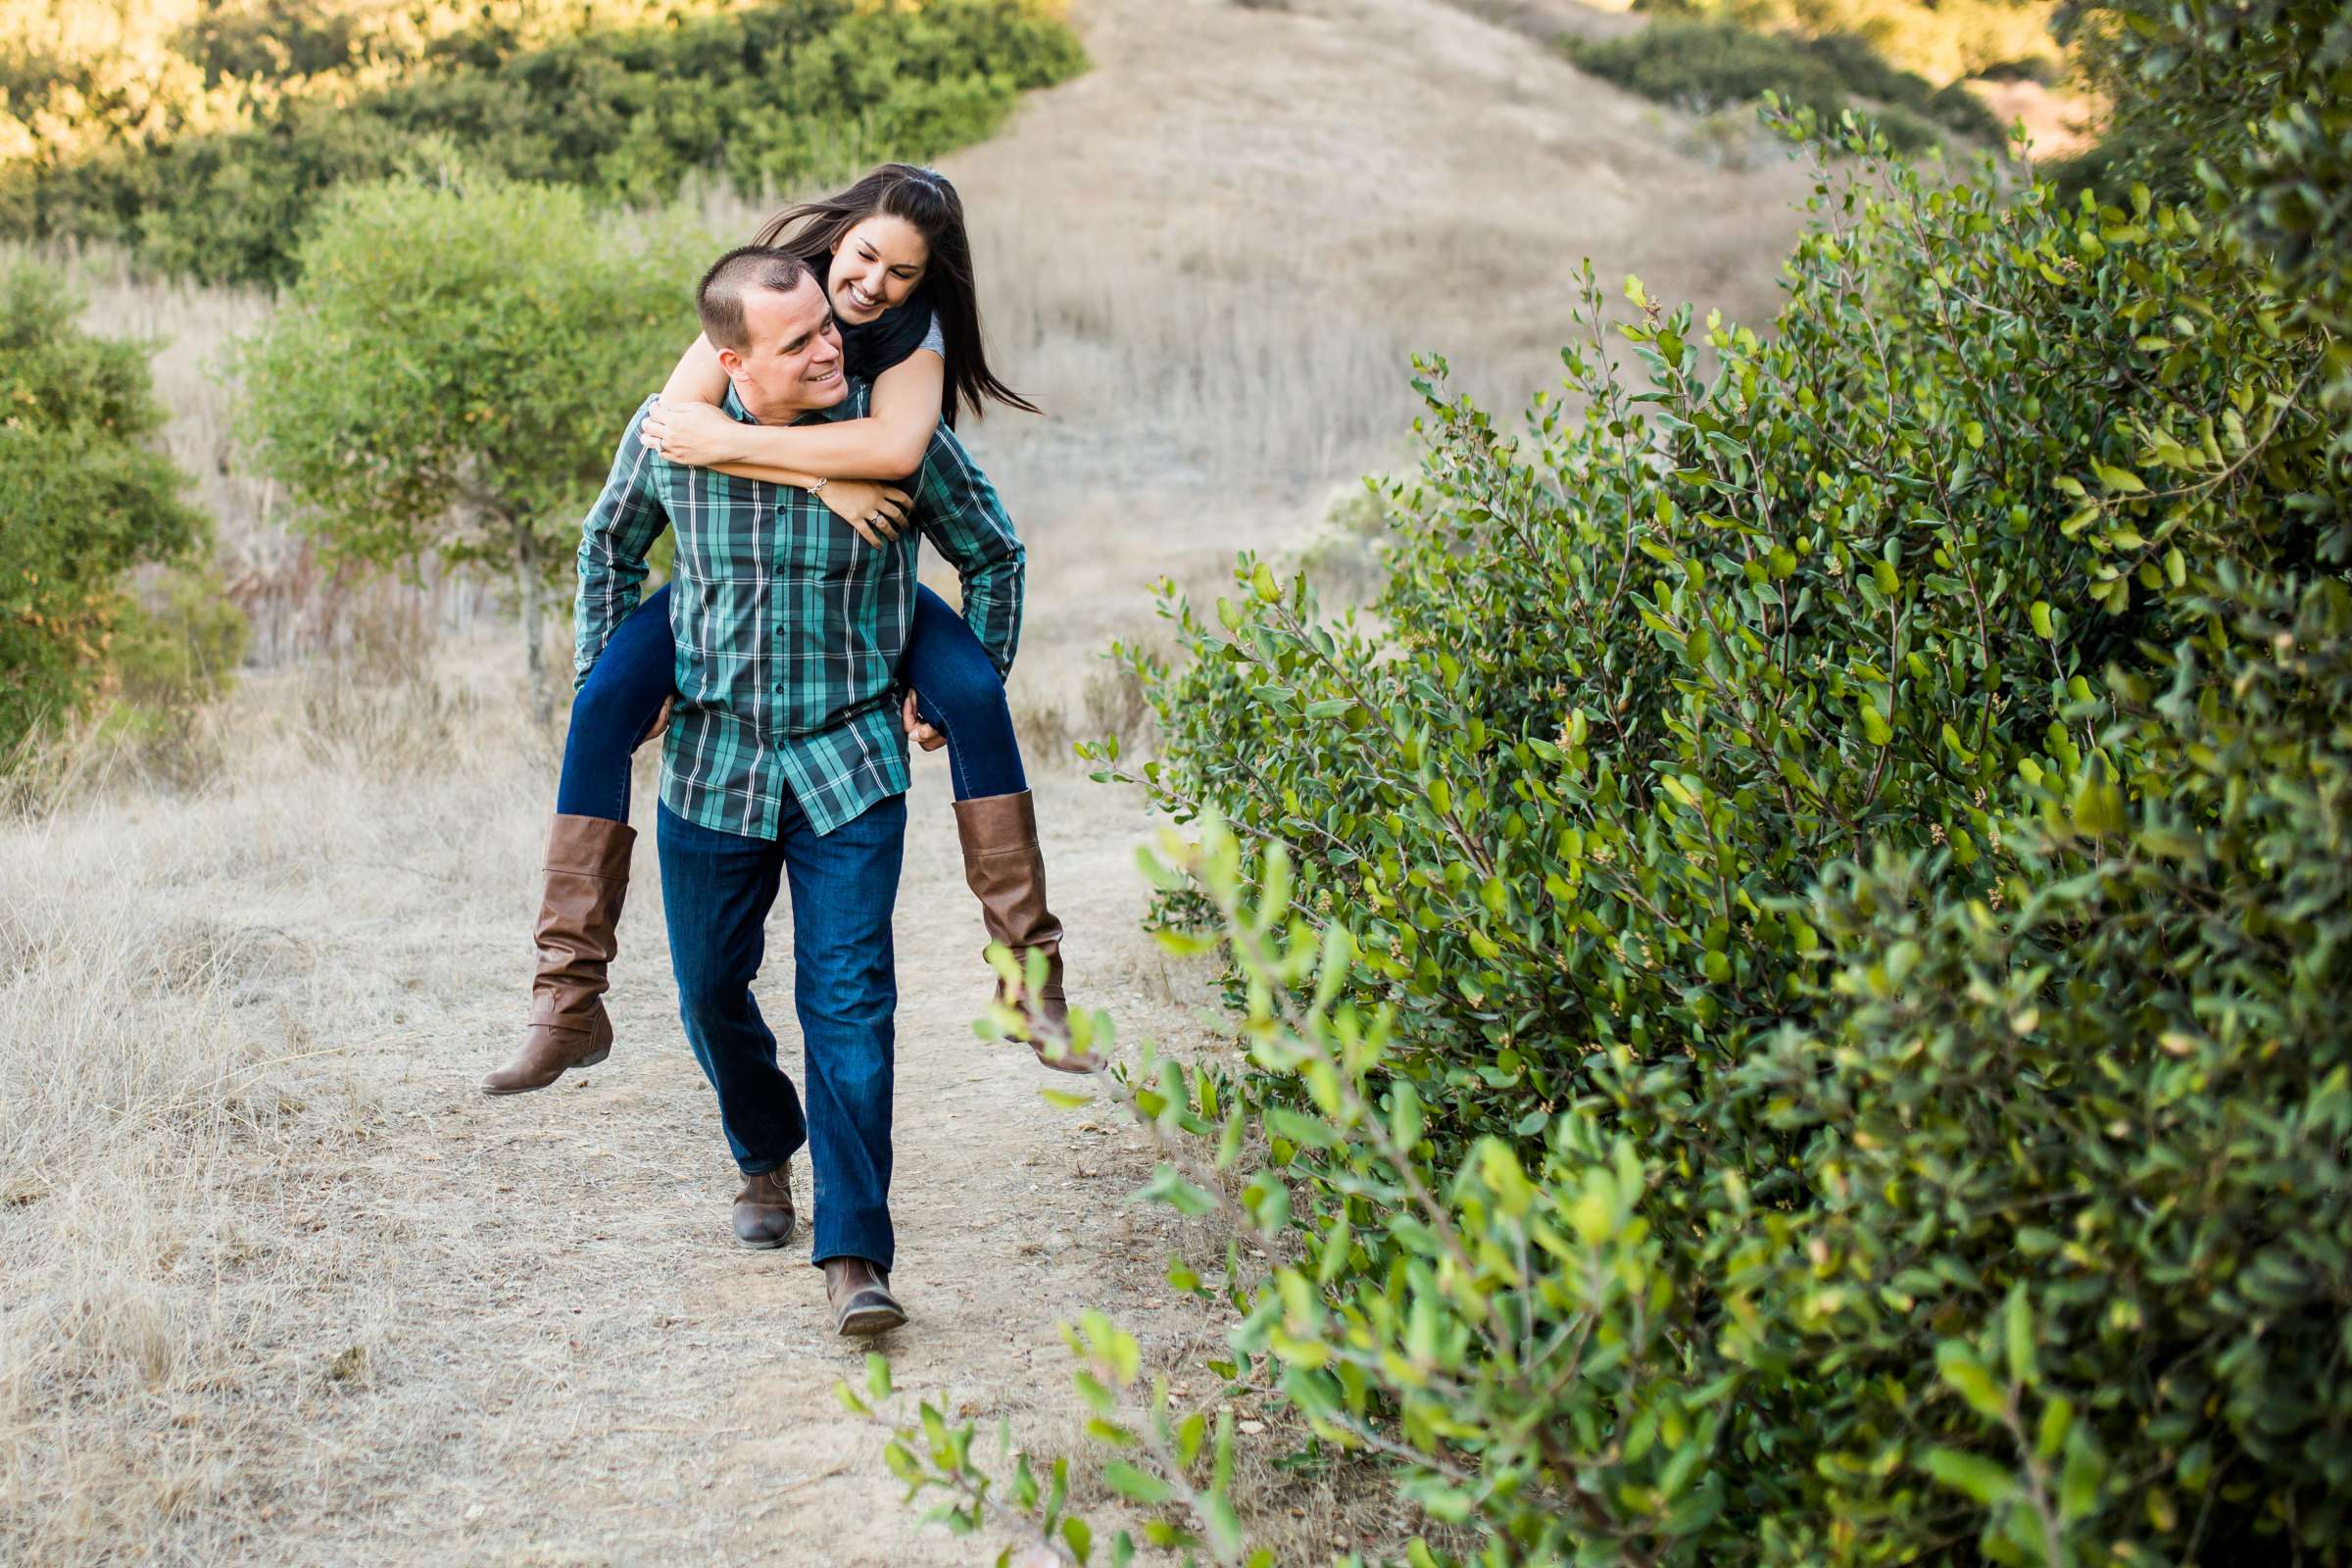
(732, 280)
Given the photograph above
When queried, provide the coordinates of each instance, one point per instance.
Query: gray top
(933, 339)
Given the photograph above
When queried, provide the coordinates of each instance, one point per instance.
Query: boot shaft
(1006, 871)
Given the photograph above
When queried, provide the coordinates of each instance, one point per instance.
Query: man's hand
(877, 511)
(661, 720)
(694, 434)
(922, 734)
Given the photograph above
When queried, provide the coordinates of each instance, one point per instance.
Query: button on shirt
(789, 627)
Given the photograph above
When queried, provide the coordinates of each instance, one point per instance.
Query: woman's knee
(963, 697)
(613, 712)
(946, 662)
(631, 679)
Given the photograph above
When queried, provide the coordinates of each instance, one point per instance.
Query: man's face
(792, 361)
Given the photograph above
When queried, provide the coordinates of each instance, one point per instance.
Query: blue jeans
(956, 690)
(717, 891)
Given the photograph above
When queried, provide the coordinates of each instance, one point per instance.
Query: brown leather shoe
(580, 912)
(763, 1215)
(859, 1292)
(1006, 871)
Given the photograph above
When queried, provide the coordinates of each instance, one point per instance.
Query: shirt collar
(732, 405)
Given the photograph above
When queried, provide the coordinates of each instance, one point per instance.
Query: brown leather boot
(859, 1292)
(1006, 872)
(763, 1215)
(579, 911)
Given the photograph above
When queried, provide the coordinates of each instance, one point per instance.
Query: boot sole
(869, 1320)
(784, 1240)
(1074, 1062)
(526, 1089)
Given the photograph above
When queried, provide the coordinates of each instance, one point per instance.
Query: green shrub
(179, 641)
(175, 649)
(1891, 471)
(1705, 65)
(779, 94)
(2242, 102)
(2089, 1146)
(86, 500)
(1792, 995)
(453, 371)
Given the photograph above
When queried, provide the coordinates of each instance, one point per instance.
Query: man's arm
(958, 509)
(619, 529)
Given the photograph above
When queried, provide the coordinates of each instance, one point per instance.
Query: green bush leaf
(1981, 1479)
(1136, 1486)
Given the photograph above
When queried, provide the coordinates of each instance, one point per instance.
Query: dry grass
(277, 1285)
(179, 1011)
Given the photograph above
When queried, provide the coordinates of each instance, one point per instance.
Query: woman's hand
(694, 434)
(877, 511)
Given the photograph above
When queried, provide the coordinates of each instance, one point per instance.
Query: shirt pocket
(724, 536)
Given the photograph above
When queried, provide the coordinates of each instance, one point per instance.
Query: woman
(898, 269)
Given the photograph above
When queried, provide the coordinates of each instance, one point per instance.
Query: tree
(82, 497)
(449, 374)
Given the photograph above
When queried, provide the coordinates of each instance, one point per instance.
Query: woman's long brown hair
(923, 198)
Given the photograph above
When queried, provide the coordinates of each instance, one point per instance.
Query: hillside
(1213, 284)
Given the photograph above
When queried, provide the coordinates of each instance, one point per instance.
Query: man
(785, 758)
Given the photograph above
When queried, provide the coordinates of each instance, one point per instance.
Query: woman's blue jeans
(956, 689)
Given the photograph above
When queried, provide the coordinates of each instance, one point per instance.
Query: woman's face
(876, 266)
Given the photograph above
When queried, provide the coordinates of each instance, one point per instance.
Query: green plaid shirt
(788, 626)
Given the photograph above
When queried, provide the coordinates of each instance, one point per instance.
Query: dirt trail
(605, 1377)
(517, 1331)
